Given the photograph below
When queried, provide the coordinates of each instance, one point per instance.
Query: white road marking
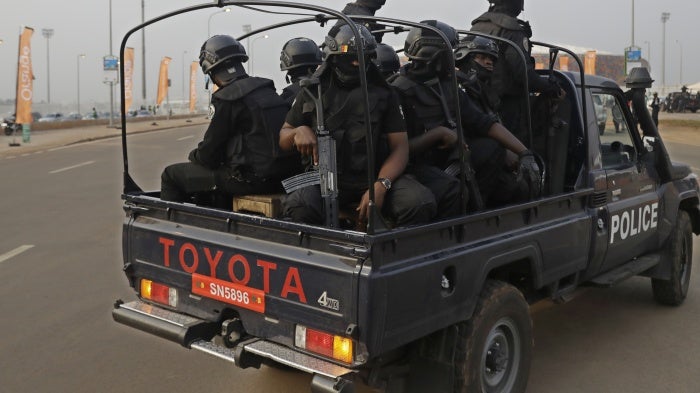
(185, 137)
(15, 252)
(72, 167)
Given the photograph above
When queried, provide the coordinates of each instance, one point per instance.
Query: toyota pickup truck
(440, 307)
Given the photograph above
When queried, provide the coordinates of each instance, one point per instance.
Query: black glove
(529, 172)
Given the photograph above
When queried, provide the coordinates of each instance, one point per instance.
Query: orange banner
(128, 77)
(564, 63)
(193, 80)
(163, 80)
(589, 62)
(25, 79)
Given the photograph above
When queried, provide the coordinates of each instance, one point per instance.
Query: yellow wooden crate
(268, 205)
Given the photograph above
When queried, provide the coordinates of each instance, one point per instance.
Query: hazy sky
(82, 27)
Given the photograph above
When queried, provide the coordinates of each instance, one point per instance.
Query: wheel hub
(500, 357)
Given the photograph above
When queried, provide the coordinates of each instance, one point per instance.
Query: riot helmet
(341, 51)
(387, 60)
(468, 48)
(427, 50)
(300, 52)
(300, 57)
(219, 49)
(221, 57)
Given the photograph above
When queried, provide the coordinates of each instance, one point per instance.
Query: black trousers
(408, 202)
(445, 188)
(497, 183)
(189, 182)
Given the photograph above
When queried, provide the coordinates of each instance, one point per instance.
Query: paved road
(60, 264)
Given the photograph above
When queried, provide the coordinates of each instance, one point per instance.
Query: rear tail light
(325, 344)
(158, 293)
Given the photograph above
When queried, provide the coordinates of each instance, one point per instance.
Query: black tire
(679, 254)
(494, 348)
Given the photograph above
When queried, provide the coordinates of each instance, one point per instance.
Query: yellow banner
(193, 80)
(163, 80)
(589, 62)
(128, 77)
(25, 78)
(564, 63)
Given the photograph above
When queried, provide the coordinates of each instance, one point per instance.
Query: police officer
(475, 58)
(400, 198)
(655, 106)
(419, 88)
(508, 80)
(300, 57)
(237, 153)
(387, 60)
(428, 101)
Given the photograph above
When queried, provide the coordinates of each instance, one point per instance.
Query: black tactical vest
(424, 110)
(344, 113)
(255, 148)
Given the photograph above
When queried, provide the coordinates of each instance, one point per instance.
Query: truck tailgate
(218, 274)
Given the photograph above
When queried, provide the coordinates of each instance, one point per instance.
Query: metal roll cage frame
(324, 16)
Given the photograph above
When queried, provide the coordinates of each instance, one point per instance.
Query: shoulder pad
(404, 84)
(525, 26)
(505, 21)
(240, 88)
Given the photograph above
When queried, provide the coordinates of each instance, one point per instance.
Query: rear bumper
(197, 334)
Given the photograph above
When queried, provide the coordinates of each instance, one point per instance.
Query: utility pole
(48, 33)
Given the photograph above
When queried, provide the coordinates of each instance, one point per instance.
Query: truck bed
(417, 280)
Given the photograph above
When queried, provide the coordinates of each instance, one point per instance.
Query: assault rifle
(325, 173)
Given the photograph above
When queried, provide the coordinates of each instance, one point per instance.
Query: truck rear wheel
(679, 254)
(494, 348)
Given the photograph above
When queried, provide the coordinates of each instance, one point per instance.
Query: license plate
(227, 292)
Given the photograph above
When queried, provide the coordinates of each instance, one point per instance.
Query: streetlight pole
(47, 33)
(632, 23)
(247, 29)
(143, 52)
(680, 77)
(209, 22)
(648, 53)
(80, 56)
(252, 48)
(183, 76)
(664, 18)
(111, 82)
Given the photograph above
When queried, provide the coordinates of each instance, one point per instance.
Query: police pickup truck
(440, 307)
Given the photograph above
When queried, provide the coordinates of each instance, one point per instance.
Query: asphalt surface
(16, 145)
(60, 264)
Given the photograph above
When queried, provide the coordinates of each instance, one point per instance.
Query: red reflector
(159, 293)
(321, 343)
